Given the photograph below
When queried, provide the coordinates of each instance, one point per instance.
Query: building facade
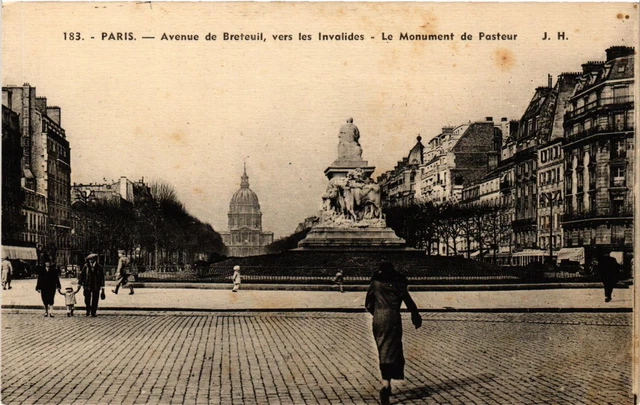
(599, 156)
(458, 157)
(117, 191)
(13, 224)
(401, 185)
(245, 236)
(540, 125)
(45, 172)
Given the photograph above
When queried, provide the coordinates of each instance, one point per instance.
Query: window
(618, 149)
(621, 94)
(576, 129)
(618, 120)
(587, 125)
(617, 206)
(617, 176)
(580, 176)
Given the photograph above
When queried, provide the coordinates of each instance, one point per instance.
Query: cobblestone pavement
(312, 358)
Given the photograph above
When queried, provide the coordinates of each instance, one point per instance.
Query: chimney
(592, 66)
(41, 105)
(619, 51)
(550, 80)
(54, 113)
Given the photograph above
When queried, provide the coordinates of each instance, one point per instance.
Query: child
(236, 278)
(339, 279)
(70, 299)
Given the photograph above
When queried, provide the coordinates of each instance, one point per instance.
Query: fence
(358, 276)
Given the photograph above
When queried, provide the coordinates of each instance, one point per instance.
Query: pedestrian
(47, 284)
(123, 272)
(339, 280)
(92, 281)
(609, 271)
(7, 273)
(387, 291)
(70, 299)
(236, 278)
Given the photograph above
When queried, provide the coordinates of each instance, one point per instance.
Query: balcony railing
(593, 214)
(505, 185)
(602, 102)
(598, 130)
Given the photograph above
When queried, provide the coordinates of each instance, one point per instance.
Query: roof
(244, 197)
(615, 69)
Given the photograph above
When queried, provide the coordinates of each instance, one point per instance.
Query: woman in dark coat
(387, 291)
(48, 283)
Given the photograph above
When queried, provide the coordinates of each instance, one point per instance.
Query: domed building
(245, 236)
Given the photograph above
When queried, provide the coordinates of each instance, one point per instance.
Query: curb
(335, 310)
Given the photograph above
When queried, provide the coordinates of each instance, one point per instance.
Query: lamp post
(551, 198)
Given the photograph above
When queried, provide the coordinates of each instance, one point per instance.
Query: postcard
(296, 203)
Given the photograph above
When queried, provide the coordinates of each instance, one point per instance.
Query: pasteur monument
(351, 215)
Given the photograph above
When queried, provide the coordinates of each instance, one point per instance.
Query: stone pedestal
(340, 172)
(326, 238)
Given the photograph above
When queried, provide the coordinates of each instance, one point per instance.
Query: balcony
(593, 214)
(602, 102)
(600, 129)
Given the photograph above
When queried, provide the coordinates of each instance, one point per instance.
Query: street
(312, 358)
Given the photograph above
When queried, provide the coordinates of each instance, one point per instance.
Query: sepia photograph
(318, 203)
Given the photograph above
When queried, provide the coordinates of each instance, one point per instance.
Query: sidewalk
(24, 296)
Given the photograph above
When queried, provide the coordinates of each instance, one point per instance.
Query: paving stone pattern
(313, 358)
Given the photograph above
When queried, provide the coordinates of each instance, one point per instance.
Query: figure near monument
(355, 201)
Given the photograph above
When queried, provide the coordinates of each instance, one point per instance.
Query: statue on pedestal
(351, 216)
(349, 148)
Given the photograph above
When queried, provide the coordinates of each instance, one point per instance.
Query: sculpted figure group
(355, 200)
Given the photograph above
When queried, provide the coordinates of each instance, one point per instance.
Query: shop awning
(573, 254)
(19, 252)
(531, 253)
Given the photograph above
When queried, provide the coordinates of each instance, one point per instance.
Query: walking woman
(48, 283)
(387, 291)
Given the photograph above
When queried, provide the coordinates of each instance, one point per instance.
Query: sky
(191, 113)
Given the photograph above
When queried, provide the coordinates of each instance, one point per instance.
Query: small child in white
(339, 280)
(70, 299)
(236, 278)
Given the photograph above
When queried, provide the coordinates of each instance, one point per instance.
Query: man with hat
(92, 280)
